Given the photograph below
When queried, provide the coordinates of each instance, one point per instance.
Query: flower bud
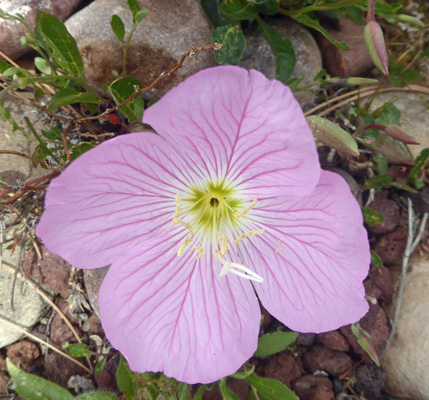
(377, 49)
(412, 20)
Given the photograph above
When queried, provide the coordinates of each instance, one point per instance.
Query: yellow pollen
(246, 209)
(176, 217)
(200, 252)
(224, 245)
(183, 246)
(279, 248)
(249, 233)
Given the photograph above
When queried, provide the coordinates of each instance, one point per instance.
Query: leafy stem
(321, 7)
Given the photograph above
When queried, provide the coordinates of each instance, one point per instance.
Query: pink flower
(228, 200)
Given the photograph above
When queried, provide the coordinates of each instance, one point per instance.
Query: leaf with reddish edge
(364, 339)
(374, 40)
(397, 133)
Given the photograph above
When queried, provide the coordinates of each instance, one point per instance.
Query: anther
(279, 247)
(200, 252)
(246, 209)
(176, 217)
(187, 242)
(249, 233)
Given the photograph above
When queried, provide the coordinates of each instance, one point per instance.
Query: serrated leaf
(417, 174)
(378, 182)
(68, 96)
(118, 27)
(272, 343)
(126, 383)
(282, 48)
(238, 9)
(233, 41)
(376, 259)
(32, 387)
(78, 350)
(265, 6)
(214, 14)
(97, 396)
(371, 217)
(271, 389)
(332, 135)
(42, 65)
(305, 19)
(227, 394)
(62, 46)
(121, 90)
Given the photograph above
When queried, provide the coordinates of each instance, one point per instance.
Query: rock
(321, 392)
(106, 381)
(405, 360)
(376, 324)
(382, 279)
(389, 210)
(59, 369)
(333, 340)
(3, 367)
(420, 200)
(305, 385)
(60, 332)
(320, 358)
(157, 45)
(345, 63)
(23, 353)
(4, 380)
(12, 31)
(93, 279)
(283, 368)
(52, 270)
(414, 116)
(370, 382)
(391, 247)
(305, 339)
(258, 54)
(29, 306)
(93, 326)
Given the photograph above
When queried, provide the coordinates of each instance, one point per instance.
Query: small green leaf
(68, 96)
(121, 90)
(365, 341)
(62, 46)
(5, 114)
(376, 259)
(183, 391)
(4, 66)
(118, 27)
(378, 182)
(305, 19)
(97, 396)
(265, 6)
(77, 350)
(243, 375)
(32, 387)
(78, 150)
(330, 134)
(417, 173)
(355, 14)
(227, 394)
(271, 389)
(281, 46)
(139, 16)
(272, 343)
(214, 14)
(42, 65)
(99, 367)
(233, 41)
(238, 9)
(403, 186)
(126, 383)
(371, 217)
(134, 7)
(381, 163)
(390, 116)
(200, 392)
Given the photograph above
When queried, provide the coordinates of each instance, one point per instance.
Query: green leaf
(78, 350)
(330, 134)
(200, 392)
(243, 375)
(355, 14)
(390, 116)
(271, 389)
(32, 387)
(214, 14)
(99, 367)
(381, 163)
(183, 391)
(97, 396)
(121, 90)
(118, 27)
(233, 41)
(139, 16)
(227, 394)
(62, 46)
(403, 186)
(68, 96)
(378, 182)
(4, 66)
(42, 65)
(376, 259)
(305, 19)
(238, 9)
(134, 7)
(371, 217)
(126, 383)
(5, 114)
(265, 6)
(417, 173)
(282, 50)
(272, 343)
(365, 341)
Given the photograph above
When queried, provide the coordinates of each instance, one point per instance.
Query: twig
(410, 247)
(20, 154)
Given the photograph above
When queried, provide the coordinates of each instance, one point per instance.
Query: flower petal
(313, 257)
(174, 314)
(112, 197)
(237, 124)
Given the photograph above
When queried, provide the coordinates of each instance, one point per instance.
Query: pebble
(320, 358)
(60, 332)
(391, 246)
(382, 279)
(306, 385)
(389, 210)
(370, 381)
(59, 369)
(282, 367)
(333, 340)
(23, 353)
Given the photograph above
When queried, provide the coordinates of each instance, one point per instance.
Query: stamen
(246, 209)
(176, 217)
(279, 248)
(236, 269)
(183, 246)
(200, 251)
(249, 233)
(224, 247)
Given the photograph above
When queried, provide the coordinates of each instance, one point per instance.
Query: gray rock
(258, 54)
(93, 279)
(170, 28)
(29, 306)
(12, 31)
(405, 360)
